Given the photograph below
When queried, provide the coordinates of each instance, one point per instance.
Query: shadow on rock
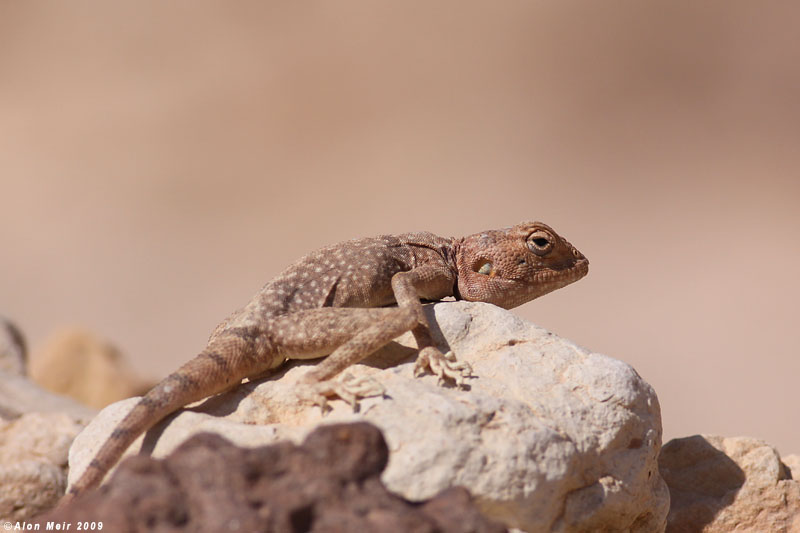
(702, 481)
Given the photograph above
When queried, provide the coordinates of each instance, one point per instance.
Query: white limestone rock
(33, 462)
(548, 437)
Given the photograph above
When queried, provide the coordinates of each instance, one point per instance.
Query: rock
(33, 462)
(36, 430)
(720, 484)
(77, 364)
(792, 464)
(13, 354)
(19, 395)
(549, 436)
(330, 483)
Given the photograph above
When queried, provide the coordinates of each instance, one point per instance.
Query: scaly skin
(331, 302)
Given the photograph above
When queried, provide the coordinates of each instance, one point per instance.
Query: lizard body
(331, 302)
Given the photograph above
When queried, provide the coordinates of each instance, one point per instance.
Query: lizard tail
(224, 363)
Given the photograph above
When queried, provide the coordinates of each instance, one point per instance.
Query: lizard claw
(442, 365)
(349, 388)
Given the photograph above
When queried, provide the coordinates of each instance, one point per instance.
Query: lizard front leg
(407, 287)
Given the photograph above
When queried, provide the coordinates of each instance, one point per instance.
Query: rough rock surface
(33, 462)
(330, 483)
(549, 436)
(78, 364)
(36, 430)
(722, 484)
(792, 463)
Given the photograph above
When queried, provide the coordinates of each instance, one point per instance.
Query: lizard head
(511, 266)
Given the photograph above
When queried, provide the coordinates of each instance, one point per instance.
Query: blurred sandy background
(160, 161)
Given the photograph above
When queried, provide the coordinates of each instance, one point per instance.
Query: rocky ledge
(547, 436)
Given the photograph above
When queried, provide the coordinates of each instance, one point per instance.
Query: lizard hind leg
(349, 335)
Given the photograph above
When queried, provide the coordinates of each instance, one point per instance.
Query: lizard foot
(347, 387)
(442, 365)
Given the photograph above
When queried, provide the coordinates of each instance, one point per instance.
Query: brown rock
(80, 365)
(329, 483)
(719, 484)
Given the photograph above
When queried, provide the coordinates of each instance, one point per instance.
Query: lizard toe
(347, 387)
(444, 366)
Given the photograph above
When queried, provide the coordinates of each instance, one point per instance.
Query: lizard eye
(485, 268)
(540, 242)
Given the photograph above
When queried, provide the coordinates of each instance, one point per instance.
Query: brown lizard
(332, 302)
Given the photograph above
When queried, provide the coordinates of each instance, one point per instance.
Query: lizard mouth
(580, 269)
(569, 274)
(550, 280)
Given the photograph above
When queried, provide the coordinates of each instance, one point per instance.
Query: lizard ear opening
(484, 267)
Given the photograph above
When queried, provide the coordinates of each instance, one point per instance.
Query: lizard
(337, 302)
